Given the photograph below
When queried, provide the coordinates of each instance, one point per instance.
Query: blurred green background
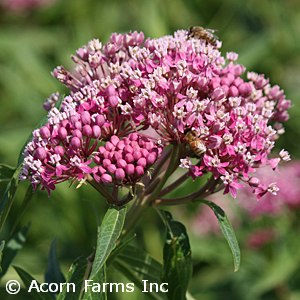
(266, 34)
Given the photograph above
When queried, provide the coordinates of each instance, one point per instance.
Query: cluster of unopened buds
(139, 109)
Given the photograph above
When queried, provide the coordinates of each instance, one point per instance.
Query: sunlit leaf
(108, 234)
(12, 247)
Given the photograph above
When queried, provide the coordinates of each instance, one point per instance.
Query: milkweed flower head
(171, 85)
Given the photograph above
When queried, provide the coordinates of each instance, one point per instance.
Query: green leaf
(8, 196)
(142, 263)
(2, 245)
(177, 270)
(12, 247)
(75, 276)
(137, 278)
(27, 280)
(96, 291)
(227, 231)
(53, 272)
(6, 172)
(108, 234)
(122, 245)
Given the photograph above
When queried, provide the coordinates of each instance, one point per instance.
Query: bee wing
(212, 32)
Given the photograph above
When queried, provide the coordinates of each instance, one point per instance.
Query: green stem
(174, 185)
(163, 176)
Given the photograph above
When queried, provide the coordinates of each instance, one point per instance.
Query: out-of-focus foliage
(266, 34)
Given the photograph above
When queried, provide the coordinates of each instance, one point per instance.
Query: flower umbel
(132, 99)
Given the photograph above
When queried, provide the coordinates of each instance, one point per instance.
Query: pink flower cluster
(287, 179)
(288, 197)
(172, 85)
(24, 5)
(124, 160)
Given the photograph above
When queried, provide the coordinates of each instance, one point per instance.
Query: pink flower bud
(225, 89)
(238, 81)
(111, 168)
(129, 169)
(254, 182)
(77, 133)
(109, 146)
(106, 154)
(117, 155)
(245, 89)
(101, 149)
(96, 131)
(87, 130)
(106, 178)
(106, 162)
(129, 158)
(128, 149)
(218, 94)
(142, 162)
(151, 158)
(45, 132)
(149, 146)
(97, 160)
(113, 101)
(120, 174)
(145, 152)
(86, 117)
(214, 141)
(121, 145)
(62, 132)
(233, 91)
(101, 170)
(78, 125)
(114, 140)
(139, 171)
(137, 155)
(75, 142)
(40, 153)
(59, 150)
(133, 136)
(121, 163)
(100, 120)
(111, 90)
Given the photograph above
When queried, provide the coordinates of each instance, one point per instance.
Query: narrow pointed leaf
(53, 272)
(146, 267)
(27, 280)
(108, 234)
(75, 276)
(92, 292)
(227, 231)
(136, 278)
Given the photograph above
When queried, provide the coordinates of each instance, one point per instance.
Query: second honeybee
(195, 143)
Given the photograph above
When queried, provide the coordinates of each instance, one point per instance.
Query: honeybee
(201, 33)
(195, 143)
